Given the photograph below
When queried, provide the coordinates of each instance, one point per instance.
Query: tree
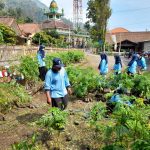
(1, 37)
(53, 34)
(99, 12)
(9, 35)
(2, 5)
(28, 20)
(42, 38)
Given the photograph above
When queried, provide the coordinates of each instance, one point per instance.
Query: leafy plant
(11, 93)
(26, 144)
(29, 68)
(55, 119)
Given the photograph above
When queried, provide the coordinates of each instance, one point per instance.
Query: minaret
(53, 13)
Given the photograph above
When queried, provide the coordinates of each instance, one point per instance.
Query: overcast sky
(133, 15)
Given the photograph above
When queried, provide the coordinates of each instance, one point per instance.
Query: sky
(133, 15)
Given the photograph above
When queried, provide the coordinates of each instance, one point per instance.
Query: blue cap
(57, 62)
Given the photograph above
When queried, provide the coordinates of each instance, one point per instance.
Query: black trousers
(42, 72)
(61, 102)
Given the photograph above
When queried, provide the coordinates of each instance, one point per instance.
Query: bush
(12, 93)
(29, 68)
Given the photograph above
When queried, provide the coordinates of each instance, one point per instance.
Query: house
(123, 39)
(29, 30)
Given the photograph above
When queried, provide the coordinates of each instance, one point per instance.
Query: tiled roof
(118, 30)
(130, 36)
(29, 28)
(6, 20)
(54, 24)
(11, 22)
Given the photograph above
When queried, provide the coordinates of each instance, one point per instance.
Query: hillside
(30, 8)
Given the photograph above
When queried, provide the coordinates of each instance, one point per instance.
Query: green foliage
(141, 86)
(83, 80)
(43, 37)
(97, 113)
(51, 38)
(67, 57)
(11, 93)
(54, 34)
(55, 119)
(99, 13)
(8, 35)
(131, 127)
(21, 10)
(29, 68)
(26, 144)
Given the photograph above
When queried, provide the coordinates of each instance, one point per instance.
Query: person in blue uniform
(57, 85)
(118, 65)
(141, 64)
(41, 62)
(103, 65)
(132, 65)
(116, 99)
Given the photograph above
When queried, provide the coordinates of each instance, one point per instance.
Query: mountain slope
(30, 8)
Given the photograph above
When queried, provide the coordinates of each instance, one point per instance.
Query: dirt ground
(18, 122)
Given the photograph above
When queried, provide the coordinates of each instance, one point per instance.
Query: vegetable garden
(86, 124)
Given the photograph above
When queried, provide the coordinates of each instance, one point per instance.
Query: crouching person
(57, 85)
(115, 99)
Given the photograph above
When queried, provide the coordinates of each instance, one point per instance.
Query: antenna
(77, 13)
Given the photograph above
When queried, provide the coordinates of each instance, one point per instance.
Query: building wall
(147, 46)
(15, 27)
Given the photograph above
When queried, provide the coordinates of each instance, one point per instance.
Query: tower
(77, 13)
(53, 11)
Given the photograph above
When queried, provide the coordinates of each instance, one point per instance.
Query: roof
(7, 20)
(118, 30)
(11, 22)
(54, 24)
(29, 28)
(135, 37)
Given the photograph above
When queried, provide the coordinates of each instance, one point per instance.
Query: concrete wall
(147, 46)
(14, 53)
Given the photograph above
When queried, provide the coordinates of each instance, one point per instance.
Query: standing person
(41, 62)
(118, 65)
(141, 63)
(57, 85)
(132, 66)
(103, 66)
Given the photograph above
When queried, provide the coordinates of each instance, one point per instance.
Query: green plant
(83, 80)
(7, 34)
(141, 86)
(55, 119)
(29, 68)
(26, 144)
(12, 93)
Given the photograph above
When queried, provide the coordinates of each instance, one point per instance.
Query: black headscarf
(118, 60)
(134, 58)
(103, 56)
(41, 51)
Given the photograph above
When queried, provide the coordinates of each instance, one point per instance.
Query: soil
(17, 124)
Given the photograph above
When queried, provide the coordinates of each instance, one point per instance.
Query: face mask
(55, 69)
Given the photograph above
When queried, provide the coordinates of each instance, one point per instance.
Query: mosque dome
(53, 5)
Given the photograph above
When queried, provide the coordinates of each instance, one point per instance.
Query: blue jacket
(142, 63)
(57, 83)
(40, 58)
(132, 68)
(117, 99)
(117, 67)
(103, 67)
